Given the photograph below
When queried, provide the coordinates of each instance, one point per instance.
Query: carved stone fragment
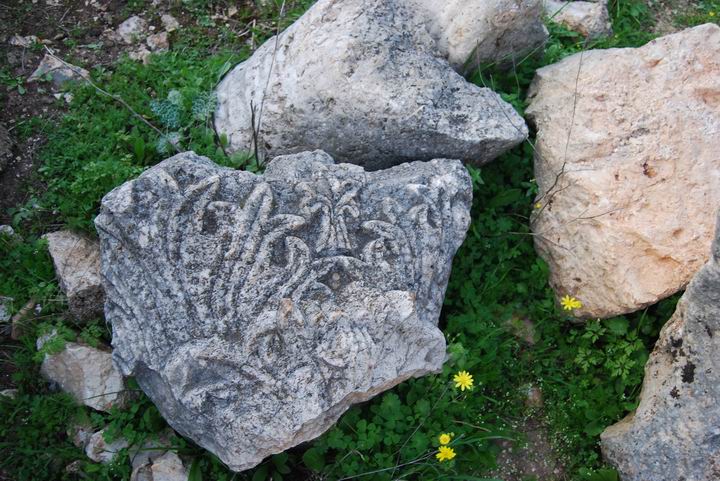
(261, 307)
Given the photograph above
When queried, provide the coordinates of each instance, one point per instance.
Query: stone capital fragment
(262, 307)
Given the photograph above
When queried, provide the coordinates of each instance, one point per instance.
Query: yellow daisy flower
(463, 380)
(445, 453)
(569, 303)
(538, 205)
(445, 438)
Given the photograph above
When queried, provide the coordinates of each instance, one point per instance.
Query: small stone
(80, 434)
(25, 42)
(88, 374)
(75, 467)
(67, 97)
(169, 22)
(19, 320)
(59, 72)
(168, 467)
(77, 266)
(100, 451)
(11, 393)
(158, 41)
(151, 449)
(132, 30)
(590, 19)
(141, 54)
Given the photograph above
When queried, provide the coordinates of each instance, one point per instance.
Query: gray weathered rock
(88, 374)
(77, 266)
(591, 19)
(364, 81)
(261, 307)
(627, 169)
(471, 32)
(60, 72)
(675, 432)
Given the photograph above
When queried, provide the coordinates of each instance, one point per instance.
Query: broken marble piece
(364, 81)
(262, 307)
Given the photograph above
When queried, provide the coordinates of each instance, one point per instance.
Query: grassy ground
(500, 318)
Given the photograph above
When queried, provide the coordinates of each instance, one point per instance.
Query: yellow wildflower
(712, 14)
(463, 380)
(569, 303)
(538, 205)
(445, 453)
(445, 438)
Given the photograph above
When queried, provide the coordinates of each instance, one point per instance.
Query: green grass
(590, 374)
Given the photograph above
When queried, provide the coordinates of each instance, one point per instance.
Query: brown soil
(531, 457)
(74, 31)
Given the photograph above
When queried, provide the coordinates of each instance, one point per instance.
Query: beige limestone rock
(77, 266)
(628, 169)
